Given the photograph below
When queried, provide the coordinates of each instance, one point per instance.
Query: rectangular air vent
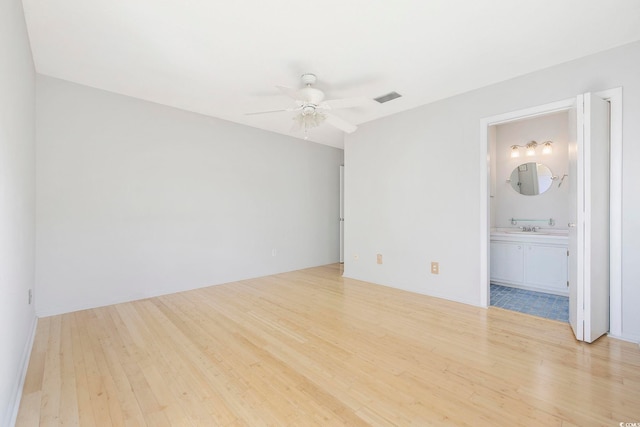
(388, 97)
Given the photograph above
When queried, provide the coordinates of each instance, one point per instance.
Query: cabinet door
(507, 262)
(546, 267)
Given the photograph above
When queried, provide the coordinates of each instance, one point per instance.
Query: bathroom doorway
(580, 294)
(529, 213)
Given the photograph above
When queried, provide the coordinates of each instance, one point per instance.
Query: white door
(576, 213)
(589, 213)
(341, 219)
(597, 225)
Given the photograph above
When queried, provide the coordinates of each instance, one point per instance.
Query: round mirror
(531, 178)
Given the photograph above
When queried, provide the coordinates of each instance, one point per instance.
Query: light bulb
(515, 152)
(547, 149)
(531, 148)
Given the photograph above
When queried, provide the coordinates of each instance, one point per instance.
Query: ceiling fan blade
(290, 92)
(267, 112)
(339, 123)
(274, 111)
(334, 104)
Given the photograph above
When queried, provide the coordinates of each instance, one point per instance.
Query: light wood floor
(310, 348)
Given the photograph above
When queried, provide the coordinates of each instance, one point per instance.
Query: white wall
(412, 181)
(17, 202)
(137, 199)
(551, 204)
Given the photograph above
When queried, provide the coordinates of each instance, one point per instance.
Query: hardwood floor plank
(68, 388)
(52, 379)
(85, 412)
(311, 348)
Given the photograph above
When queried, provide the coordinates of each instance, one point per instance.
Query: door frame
(341, 218)
(614, 96)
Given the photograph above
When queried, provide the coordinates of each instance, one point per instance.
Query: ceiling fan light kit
(308, 118)
(312, 110)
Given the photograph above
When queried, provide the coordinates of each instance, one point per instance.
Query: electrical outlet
(435, 268)
(379, 258)
(274, 252)
(356, 257)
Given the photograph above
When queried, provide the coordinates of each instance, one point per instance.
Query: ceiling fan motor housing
(311, 95)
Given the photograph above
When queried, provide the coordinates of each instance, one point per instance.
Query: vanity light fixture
(531, 148)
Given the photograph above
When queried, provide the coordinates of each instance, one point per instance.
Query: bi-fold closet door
(589, 226)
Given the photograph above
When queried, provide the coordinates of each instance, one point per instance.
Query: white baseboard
(22, 374)
(631, 339)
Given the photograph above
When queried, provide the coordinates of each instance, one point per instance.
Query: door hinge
(567, 283)
(567, 252)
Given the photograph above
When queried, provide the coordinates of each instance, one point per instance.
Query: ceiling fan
(311, 108)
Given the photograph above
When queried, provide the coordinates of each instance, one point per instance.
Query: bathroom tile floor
(550, 306)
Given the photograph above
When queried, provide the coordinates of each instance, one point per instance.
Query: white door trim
(614, 96)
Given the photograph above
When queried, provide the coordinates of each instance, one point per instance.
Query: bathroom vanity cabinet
(530, 261)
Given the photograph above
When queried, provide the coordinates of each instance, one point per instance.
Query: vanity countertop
(542, 235)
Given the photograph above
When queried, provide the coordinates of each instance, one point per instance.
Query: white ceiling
(223, 58)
